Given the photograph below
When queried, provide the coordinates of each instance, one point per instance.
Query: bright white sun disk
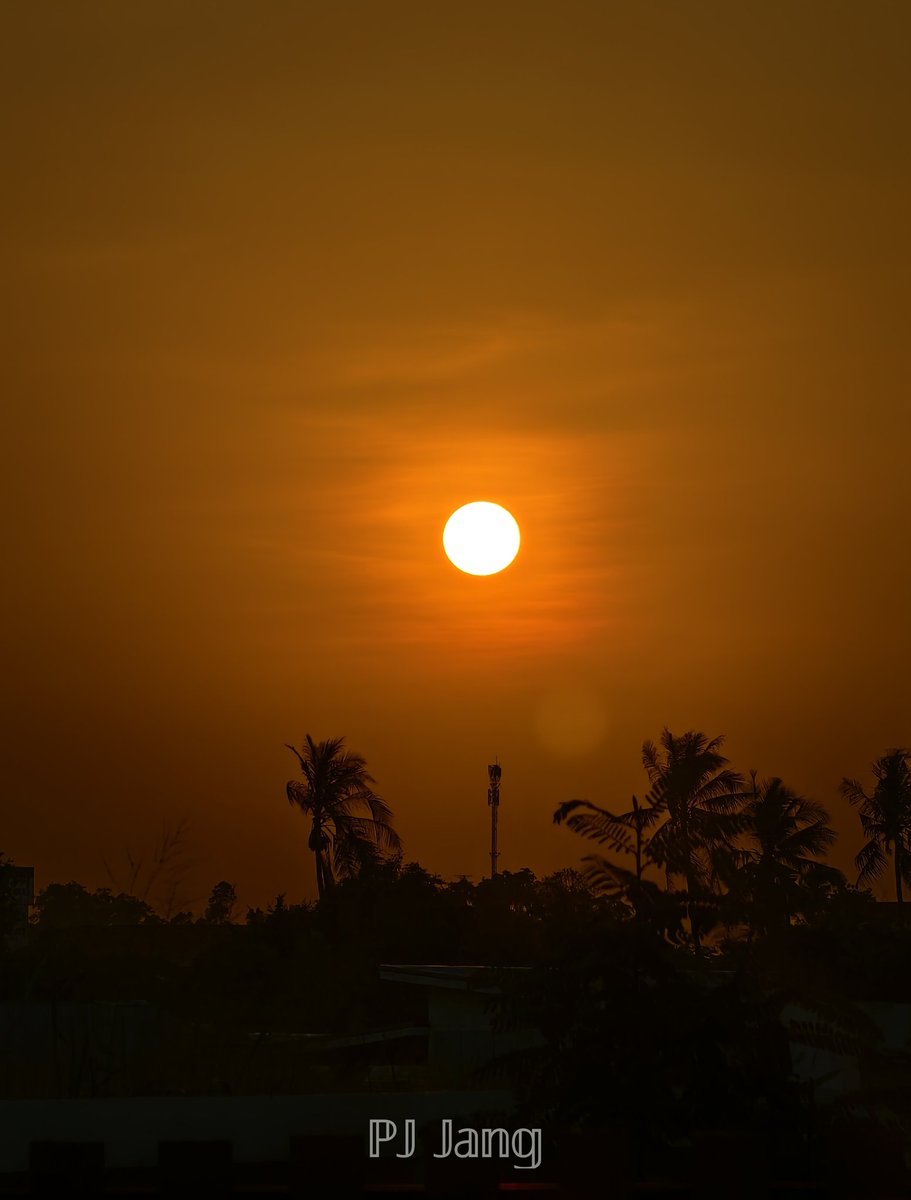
(481, 538)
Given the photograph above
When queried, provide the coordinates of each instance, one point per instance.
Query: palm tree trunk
(898, 873)
(321, 875)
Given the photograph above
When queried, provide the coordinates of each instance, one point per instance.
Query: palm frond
(870, 862)
(298, 794)
(853, 791)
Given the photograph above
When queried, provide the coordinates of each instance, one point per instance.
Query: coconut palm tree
(691, 779)
(886, 819)
(703, 797)
(786, 834)
(350, 825)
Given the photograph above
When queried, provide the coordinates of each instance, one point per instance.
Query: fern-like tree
(626, 833)
(886, 819)
(350, 825)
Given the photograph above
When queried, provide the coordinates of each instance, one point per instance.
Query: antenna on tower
(493, 799)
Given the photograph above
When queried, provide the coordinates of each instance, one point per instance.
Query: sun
(481, 538)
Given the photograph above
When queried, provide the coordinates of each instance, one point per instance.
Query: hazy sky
(286, 283)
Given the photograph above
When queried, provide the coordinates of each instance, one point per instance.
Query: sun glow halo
(481, 538)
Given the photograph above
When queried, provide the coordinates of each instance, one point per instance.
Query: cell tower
(493, 799)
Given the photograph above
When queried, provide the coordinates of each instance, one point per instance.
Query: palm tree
(691, 779)
(886, 819)
(350, 824)
(786, 835)
(703, 797)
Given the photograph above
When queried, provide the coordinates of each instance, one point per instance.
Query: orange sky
(288, 282)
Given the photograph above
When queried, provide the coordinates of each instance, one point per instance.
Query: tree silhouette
(350, 825)
(68, 905)
(637, 1036)
(786, 834)
(691, 779)
(886, 819)
(10, 913)
(221, 905)
(625, 832)
(693, 809)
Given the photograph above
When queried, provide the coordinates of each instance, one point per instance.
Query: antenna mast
(493, 799)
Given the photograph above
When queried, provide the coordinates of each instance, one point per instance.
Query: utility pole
(493, 799)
